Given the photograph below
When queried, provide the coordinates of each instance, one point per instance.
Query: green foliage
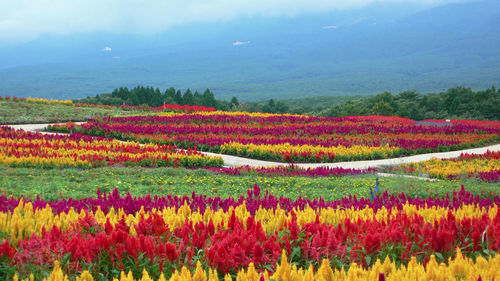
(234, 102)
(308, 105)
(275, 107)
(150, 96)
(455, 103)
(382, 108)
(188, 98)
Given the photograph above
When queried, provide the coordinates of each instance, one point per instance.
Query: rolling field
(133, 198)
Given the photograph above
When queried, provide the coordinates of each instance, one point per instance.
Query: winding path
(235, 161)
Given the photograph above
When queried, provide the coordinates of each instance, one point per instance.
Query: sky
(25, 20)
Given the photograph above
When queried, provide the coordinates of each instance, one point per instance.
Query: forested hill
(387, 46)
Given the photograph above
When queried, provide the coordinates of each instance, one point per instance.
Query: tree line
(454, 103)
(150, 96)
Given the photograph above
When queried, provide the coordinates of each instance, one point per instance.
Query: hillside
(379, 48)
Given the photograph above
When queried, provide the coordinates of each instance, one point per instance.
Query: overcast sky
(24, 20)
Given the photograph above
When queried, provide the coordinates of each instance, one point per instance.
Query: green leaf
(268, 267)
(295, 252)
(368, 259)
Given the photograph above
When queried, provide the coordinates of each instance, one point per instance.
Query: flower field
(26, 149)
(483, 166)
(206, 224)
(291, 138)
(256, 237)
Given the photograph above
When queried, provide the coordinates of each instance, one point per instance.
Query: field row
(26, 149)
(259, 237)
(483, 166)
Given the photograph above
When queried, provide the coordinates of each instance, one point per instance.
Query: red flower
(7, 249)
(372, 243)
(171, 251)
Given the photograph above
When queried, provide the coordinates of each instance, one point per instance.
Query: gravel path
(36, 127)
(387, 175)
(235, 161)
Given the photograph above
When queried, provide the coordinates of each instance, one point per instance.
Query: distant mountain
(379, 48)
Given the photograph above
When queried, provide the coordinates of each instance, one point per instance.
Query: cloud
(329, 27)
(238, 43)
(25, 20)
(106, 49)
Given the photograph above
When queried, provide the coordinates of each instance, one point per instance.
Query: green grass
(75, 183)
(24, 112)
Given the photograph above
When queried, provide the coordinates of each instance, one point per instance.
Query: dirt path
(235, 161)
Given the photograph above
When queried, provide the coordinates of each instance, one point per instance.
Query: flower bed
(482, 166)
(26, 149)
(292, 138)
(252, 238)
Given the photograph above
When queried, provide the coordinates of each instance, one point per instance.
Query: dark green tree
(234, 102)
(170, 94)
(209, 99)
(280, 107)
(197, 98)
(188, 98)
(270, 107)
(178, 97)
